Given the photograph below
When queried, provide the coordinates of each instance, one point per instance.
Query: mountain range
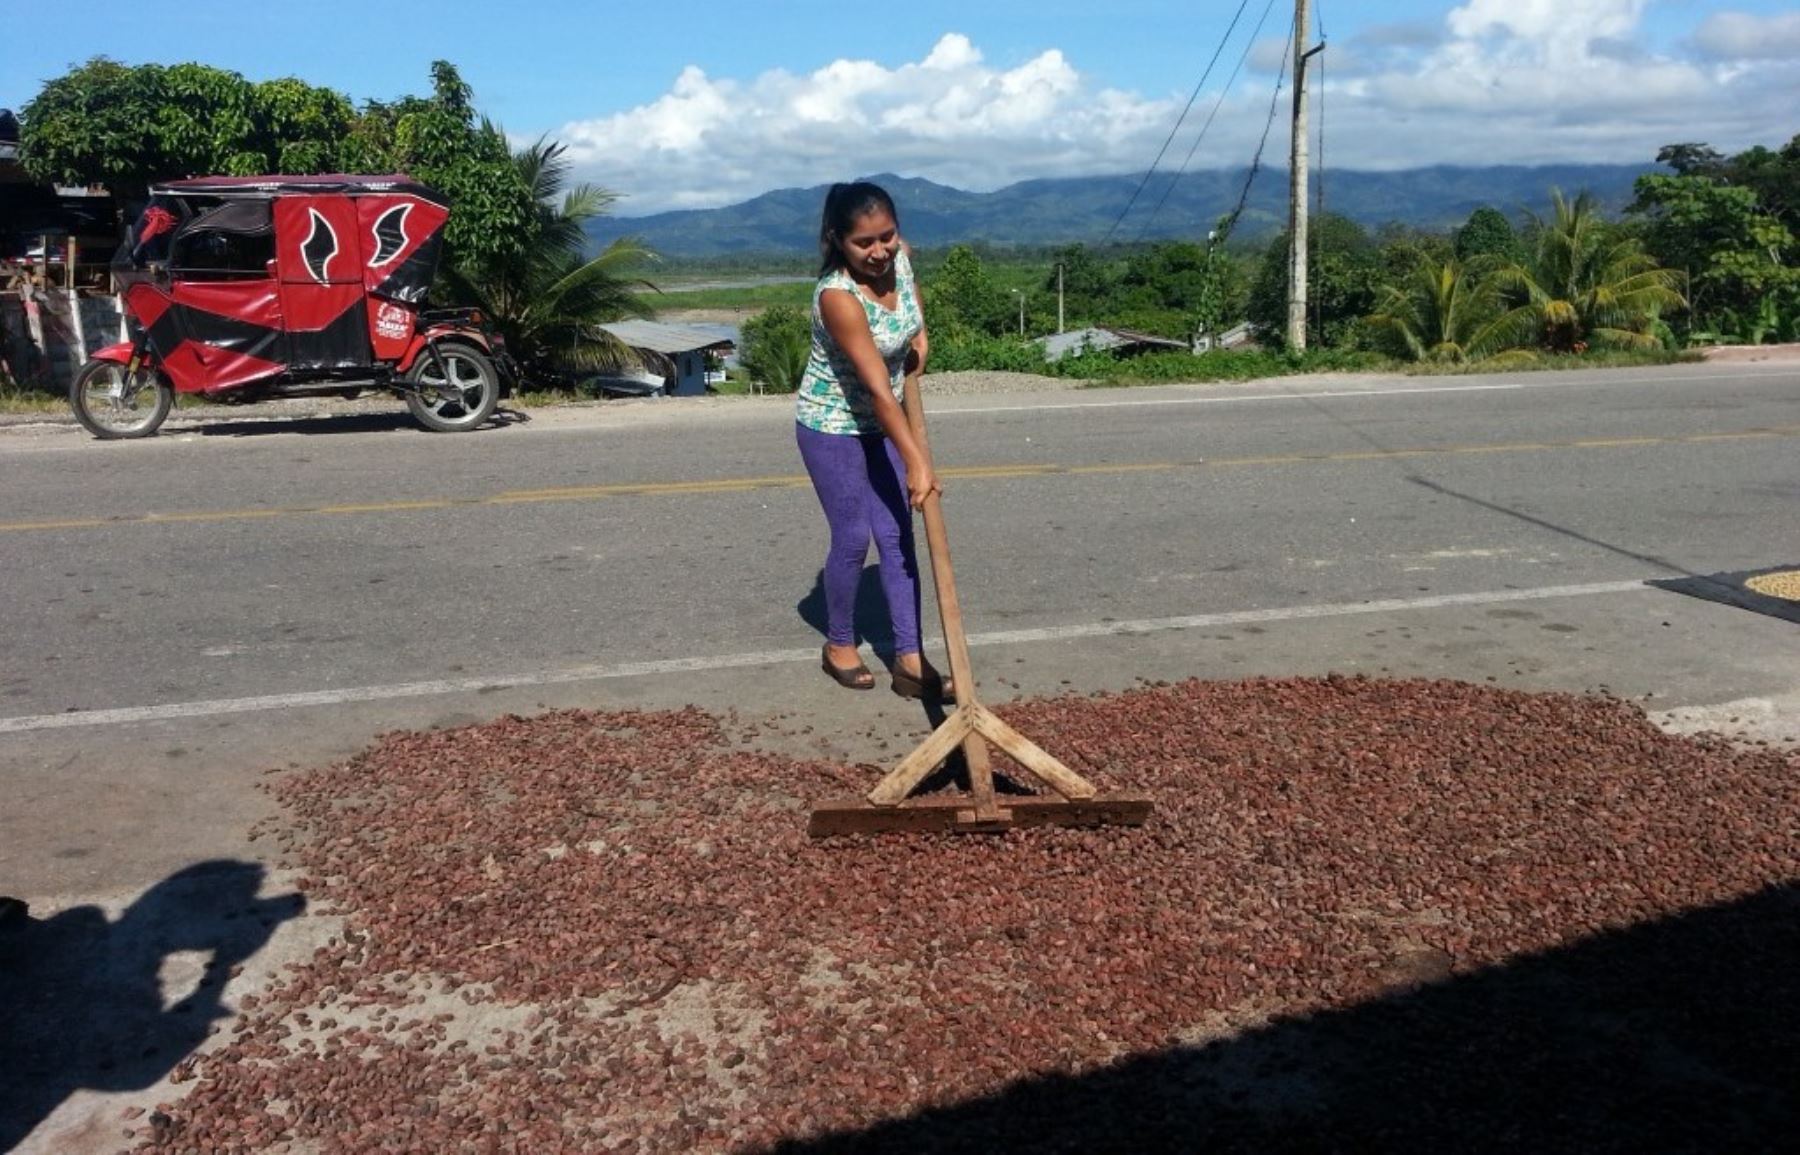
(1086, 209)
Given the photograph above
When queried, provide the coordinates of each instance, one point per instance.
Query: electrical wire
(1319, 185)
(1256, 162)
(1195, 95)
(1195, 147)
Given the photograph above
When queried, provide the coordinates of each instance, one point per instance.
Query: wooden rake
(1070, 800)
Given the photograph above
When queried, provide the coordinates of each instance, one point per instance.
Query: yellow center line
(797, 481)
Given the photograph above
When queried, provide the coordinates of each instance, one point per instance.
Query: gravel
(1367, 915)
(976, 382)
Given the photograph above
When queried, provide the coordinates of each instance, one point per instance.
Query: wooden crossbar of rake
(1070, 800)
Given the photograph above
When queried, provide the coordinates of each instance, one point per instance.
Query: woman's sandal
(855, 677)
(931, 685)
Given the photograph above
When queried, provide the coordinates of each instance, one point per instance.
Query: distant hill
(1063, 211)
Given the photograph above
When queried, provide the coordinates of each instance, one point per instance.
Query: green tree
(1585, 283)
(1178, 289)
(777, 343)
(305, 127)
(1440, 311)
(548, 296)
(1736, 256)
(1343, 276)
(1774, 175)
(1088, 284)
(1691, 158)
(961, 297)
(126, 127)
(1488, 235)
(439, 140)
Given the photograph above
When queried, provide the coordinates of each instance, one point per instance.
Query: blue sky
(700, 102)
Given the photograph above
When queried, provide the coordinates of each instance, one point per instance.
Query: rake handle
(956, 643)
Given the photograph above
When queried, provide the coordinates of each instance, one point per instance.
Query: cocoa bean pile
(1367, 915)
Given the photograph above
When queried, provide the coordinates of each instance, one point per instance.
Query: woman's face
(871, 243)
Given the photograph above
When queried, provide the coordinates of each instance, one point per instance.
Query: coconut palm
(1585, 284)
(1441, 311)
(548, 297)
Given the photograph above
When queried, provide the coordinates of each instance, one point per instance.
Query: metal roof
(321, 183)
(666, 339)
(1059, 345)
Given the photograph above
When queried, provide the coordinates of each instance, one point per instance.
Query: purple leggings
(861, 483)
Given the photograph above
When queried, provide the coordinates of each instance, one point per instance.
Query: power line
(1319, 187)
(1256, 161)
(1195, 147)
(1195, 95)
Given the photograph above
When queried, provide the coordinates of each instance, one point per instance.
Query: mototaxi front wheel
(454, 391)
(115, 404)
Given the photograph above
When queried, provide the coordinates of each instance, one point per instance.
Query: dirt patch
(1730, 354)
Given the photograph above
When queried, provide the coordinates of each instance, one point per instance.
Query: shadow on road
(114, 1005)
(1676, 1035)
(872, 623)
(338, 423)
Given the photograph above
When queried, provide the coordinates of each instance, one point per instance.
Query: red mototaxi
(283, 286)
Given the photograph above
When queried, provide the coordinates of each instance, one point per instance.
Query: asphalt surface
(242, 594)
(254, 591)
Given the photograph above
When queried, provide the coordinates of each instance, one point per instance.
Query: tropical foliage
(776, 344)
(1585, 283)
(123, 126)
(1730, 226)
(1441, 311)
(547, 295)
(516, 240)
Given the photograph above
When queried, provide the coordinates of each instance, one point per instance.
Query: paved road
(242, 594)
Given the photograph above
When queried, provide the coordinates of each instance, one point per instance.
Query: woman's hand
(916, 355)
(921, 483)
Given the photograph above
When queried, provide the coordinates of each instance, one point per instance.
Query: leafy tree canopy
(128, 126)
(124, 126)
(1487, 235)
(1586, 283)
(962, 297)
(549, 297)
(1343, 275)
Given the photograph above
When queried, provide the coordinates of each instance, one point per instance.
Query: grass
(755, 297)
(23, 399)
(1542, 362)
(1246, 365)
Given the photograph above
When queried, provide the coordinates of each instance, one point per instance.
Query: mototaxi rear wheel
(455, 391)
(115, 404)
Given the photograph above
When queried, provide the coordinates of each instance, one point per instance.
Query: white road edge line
(963, 411)
(135, 714)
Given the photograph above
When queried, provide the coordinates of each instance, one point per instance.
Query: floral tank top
(824, 402)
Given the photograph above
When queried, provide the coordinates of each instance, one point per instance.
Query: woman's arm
(848, 325)
(921, 346)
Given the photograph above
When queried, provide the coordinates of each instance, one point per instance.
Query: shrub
(777, 343)
(960, 350)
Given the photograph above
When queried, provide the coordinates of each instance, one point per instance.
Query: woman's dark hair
(843, 205)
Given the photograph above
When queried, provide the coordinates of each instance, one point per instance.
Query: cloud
(1741, 36)
(1497, 81)
(951, 116)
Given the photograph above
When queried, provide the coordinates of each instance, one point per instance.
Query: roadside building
(683, 356)
(1126, 342)
(1131, 342)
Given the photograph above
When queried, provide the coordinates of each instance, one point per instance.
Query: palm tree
(1442, 311)
(548, 297)
(1585, 283)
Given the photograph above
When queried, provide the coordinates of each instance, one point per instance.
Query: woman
(866, 465)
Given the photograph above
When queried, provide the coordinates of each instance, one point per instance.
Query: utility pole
(1297, 182)
(1059, 297)
(1021, 297)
